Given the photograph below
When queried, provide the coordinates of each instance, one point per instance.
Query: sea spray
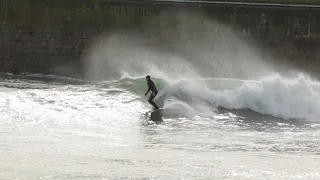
(193, 47)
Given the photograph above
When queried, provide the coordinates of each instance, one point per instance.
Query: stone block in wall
(8, 45)
(3, 45)
(51, 44)
(65, 50)
(4, 54)
(9, 65)
(53, 52)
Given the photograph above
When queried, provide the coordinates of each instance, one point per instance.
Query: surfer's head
(147, 77)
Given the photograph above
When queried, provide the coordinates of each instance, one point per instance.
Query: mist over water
(193, 46)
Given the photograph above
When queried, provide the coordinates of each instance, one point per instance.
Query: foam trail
(297, 98)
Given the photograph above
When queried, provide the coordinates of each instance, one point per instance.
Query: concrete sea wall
(44, 36)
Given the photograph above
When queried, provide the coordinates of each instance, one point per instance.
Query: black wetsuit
(153, 89)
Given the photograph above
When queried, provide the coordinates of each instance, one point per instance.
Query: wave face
(296, 98)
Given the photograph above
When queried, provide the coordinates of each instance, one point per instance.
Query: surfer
(15, 71)
(154, 91)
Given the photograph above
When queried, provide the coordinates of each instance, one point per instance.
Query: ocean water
(62, 128)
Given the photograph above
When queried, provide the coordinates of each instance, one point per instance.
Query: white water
(286, 98)
(297, 98)
(63, 131)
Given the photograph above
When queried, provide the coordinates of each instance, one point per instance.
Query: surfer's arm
(147, 91)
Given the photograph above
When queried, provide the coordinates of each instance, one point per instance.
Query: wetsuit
(153, 89)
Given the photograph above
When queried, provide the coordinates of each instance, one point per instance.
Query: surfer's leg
(151, 101)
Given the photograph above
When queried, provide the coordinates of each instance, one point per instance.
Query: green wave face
(139, 86)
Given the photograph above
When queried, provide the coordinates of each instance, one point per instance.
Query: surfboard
(156, 115)
(157, 110)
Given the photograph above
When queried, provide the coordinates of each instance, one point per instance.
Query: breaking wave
(295, 98)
